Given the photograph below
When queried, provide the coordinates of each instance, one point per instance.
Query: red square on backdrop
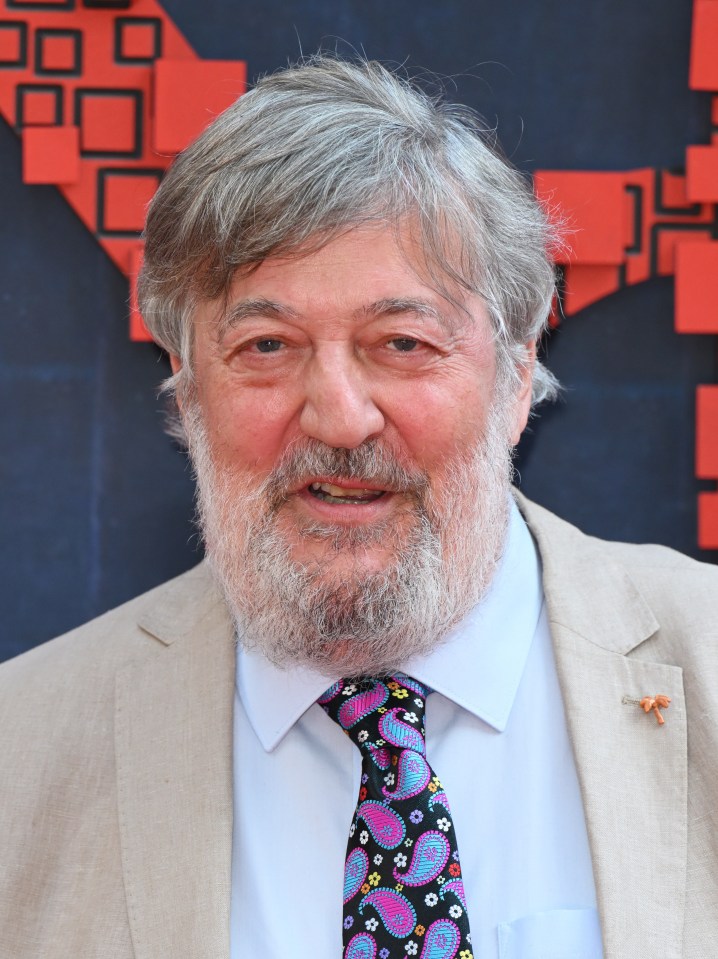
(704, 46)
(109, 122)
(707, 432)
(50, 155)
(592, 208)
(11, 44)
(189, 94)
(139, 41)
(59, 53)
(708, 520)
(702, 172)
(125, 200)
(39, 108)
(696, 287)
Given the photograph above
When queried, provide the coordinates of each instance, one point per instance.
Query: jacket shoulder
(88, 657)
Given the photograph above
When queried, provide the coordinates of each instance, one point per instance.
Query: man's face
(341, 401)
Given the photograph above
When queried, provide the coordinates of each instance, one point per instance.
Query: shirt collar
(479, 665)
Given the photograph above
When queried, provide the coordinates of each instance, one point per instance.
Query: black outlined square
(105, 175)
(11, 26)
(134, 97)
(43, 61)
(152, 25)
(26, 114)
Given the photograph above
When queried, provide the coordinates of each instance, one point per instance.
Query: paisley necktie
(403, 894)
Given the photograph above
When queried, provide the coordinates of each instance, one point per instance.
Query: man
(350, 283)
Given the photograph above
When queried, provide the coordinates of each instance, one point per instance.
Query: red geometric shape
(125, 198)
(707, 432)
(138, 331)
(50, 155)
(696, 287)
(592, 209)
(704, 46)
(138, 41)
(40, 107)
(588, 284)
(708, 520)
(58, 51)
(189, 94)
(110, 121)
(702, 172)
(13, 44)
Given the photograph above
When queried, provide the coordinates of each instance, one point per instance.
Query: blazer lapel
(174, 771)
(632, 771)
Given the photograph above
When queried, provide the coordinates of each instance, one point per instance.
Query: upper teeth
(332, 490)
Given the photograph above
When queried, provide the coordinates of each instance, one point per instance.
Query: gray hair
(324, 146)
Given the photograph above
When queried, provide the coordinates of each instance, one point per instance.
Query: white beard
(445, 541)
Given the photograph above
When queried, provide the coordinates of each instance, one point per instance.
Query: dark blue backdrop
(96, 502)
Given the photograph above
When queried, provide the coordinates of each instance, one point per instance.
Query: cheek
(247, 427)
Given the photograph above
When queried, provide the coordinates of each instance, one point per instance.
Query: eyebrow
(259, 306)
(390, 306)
(395, 306)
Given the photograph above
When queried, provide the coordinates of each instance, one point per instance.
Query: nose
(339, 409)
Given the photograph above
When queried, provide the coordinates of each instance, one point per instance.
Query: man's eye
(268, 346)
(404, 344)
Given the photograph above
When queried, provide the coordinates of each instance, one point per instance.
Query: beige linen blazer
(116, 759)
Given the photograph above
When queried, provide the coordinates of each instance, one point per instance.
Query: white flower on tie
(418, 701)
(363, 837)
(349, 690)
(378, 859)
(389, 779)
(352, 829)
(400, 860)
(371, 924)
(411, 718)
(456, 912)
(411, 948)
(444, 824)
(362, 736)
(431, 899)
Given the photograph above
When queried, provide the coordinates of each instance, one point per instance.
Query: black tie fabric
(403, 893)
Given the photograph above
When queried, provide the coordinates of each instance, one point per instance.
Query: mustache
(372, 462)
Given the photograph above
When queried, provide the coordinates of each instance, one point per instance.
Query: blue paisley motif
(361, 946)
(401, 734)
(442, 940)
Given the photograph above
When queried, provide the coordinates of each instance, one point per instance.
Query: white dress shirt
(496, 735)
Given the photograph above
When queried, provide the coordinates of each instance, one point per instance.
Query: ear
(176, 365)
(522, 400)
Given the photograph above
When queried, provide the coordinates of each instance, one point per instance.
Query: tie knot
(384, 714)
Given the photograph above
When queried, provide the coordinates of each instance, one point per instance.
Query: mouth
(344, 495)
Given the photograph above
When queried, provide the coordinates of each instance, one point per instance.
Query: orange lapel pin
(655, 704)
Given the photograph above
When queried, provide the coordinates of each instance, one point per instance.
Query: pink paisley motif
(430, 855)
(457, 887)
(441, 799)
(359, 706)
(386, 826)
(401, 734)
(380, 755)
(395, 910)
(442, 940)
